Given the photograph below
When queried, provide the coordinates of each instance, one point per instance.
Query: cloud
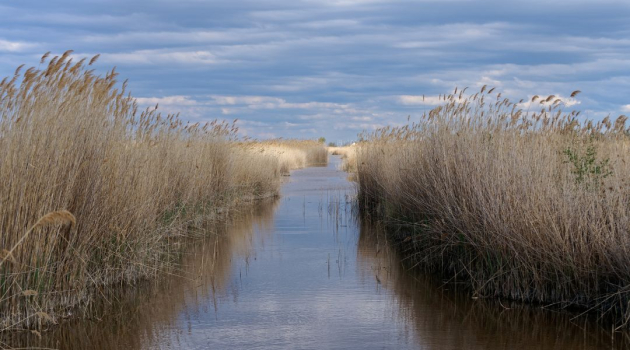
(161, 57)
(435, 36)
(358, 126)
(541, 102)
(83, 19)
(167, 101)
(194, 37)
(14, 46)
(328, 24)
(268, 102)
(626, 108)
(420, 100)
(245, 100)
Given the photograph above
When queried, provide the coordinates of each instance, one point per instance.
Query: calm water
(302, 272)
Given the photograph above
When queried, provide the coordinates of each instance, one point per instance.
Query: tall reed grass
(517, 200)
(95, 191)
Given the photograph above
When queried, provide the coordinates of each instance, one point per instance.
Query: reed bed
(348, 156)
(291, 154)
(526, 203)
(96, 193)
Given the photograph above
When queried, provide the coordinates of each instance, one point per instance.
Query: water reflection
(304, 272)
(140, 316)
(441, 317)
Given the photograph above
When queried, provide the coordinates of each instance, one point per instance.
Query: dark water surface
(302, 272)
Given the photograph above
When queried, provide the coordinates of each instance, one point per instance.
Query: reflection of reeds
(137, 317)
(342, 209)
(519, 200)
(444, 316)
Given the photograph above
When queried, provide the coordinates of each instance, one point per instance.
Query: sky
(333, 68)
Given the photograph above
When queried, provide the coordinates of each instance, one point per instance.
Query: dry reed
(291, 154)
(348, 156)
(527, 204)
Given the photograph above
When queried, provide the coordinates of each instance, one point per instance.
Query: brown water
(302, 272)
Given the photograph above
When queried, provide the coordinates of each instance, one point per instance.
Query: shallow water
(302, 272)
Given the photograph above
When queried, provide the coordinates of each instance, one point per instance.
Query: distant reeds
(348, 156)
(519, 200)
(291, 154)
(95, 191)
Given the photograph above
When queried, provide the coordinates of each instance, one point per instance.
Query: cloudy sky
(332, 68)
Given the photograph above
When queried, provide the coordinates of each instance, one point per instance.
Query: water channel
(303, 272)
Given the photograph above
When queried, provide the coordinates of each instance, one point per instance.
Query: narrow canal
(303, 272)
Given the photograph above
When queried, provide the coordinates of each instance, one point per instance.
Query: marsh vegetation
(97, 193)
(517, 200)
(348, 156)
